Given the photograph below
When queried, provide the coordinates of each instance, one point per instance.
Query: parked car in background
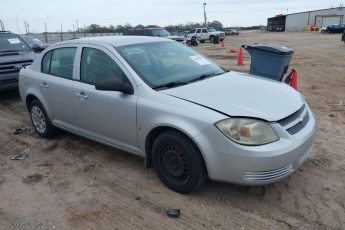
(205, 34)
(162, 100)
(155, 32)
(323, 29)
(15, 54)
(229, 32)
(335, 28)
(35, 42)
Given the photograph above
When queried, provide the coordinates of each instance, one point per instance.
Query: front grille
(303, 158)
(299, 126)
(17, 62)
(269, 175)
(276, 173)
(292, 117)
(296, 121)
(9, 82)
(13, 67)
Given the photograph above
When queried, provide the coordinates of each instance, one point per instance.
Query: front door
(106, 116)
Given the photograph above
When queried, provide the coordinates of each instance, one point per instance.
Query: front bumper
(8, 81)
(256, 165)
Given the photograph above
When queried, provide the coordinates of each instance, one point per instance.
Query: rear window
(59, 62)
(160, 33)
(12, 43)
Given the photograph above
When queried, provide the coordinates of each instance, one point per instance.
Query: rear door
(106, 116)
(204, 35)
(57, 85)
(198, 33)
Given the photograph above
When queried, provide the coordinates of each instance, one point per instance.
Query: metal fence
(57, 37)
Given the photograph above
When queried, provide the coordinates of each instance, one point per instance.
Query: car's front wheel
(40, 120)
(178, 162)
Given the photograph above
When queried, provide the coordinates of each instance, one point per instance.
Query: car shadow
(10, 95)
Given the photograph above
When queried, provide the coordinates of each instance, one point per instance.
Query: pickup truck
(15, 54)
(203, 34)
(155, 32)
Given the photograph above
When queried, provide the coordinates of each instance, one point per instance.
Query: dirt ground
(73, 183)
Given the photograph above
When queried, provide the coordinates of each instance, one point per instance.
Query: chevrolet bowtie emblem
(18, 67)
(300, 119)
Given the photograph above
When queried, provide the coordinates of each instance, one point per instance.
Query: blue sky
(163, 13)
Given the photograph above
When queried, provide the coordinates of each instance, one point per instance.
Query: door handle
(44, 85)
(81, 95)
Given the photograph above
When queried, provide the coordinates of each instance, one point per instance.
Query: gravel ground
(73, 183)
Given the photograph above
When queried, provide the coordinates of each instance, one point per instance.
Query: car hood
(177, 38)
(18, 56)
(244, 95)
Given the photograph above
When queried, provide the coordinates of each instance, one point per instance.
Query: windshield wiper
(179, 83)
(170, 84)
(204, 76)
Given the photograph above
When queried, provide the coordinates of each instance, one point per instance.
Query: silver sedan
(161, 100)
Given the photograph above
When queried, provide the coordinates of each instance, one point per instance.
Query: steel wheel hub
(174, 162)
(38, 119)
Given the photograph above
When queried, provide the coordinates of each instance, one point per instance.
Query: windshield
(161, 63)
(12, 43)
(32, 40)
(160, 33)
(211, 29)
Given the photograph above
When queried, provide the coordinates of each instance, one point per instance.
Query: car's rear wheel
(40, 120)
(178, 162)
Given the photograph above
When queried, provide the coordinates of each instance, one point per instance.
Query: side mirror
(37, 48)
(114, 84)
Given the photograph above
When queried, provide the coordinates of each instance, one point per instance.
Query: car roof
(116, 40)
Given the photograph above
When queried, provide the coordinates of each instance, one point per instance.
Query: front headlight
(247, 131)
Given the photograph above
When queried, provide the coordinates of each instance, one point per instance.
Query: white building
(298, 21)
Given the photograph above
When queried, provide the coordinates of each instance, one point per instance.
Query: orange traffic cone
(293, 81)
(232, 51)
(222, 43)
(240, 58)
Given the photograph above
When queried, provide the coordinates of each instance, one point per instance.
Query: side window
(96, 65)
(198, 31)
(192, 31)
(204, 31)
(61, 63)
(45, 65)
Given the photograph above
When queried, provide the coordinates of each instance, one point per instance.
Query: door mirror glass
(114, 84)
(37, 48)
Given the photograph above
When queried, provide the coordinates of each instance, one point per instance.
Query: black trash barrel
(216, 39)
(270, 61)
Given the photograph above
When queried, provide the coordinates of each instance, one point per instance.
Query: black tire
(202, 41)
(43, 127)
(211, 38)
(178, 162)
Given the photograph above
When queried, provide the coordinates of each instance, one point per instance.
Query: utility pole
(61, 32)
(26, 29)
(77, 25)
(205, 18)
(73, 32)
(2, 25)
(46, 33)
(17, 23)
